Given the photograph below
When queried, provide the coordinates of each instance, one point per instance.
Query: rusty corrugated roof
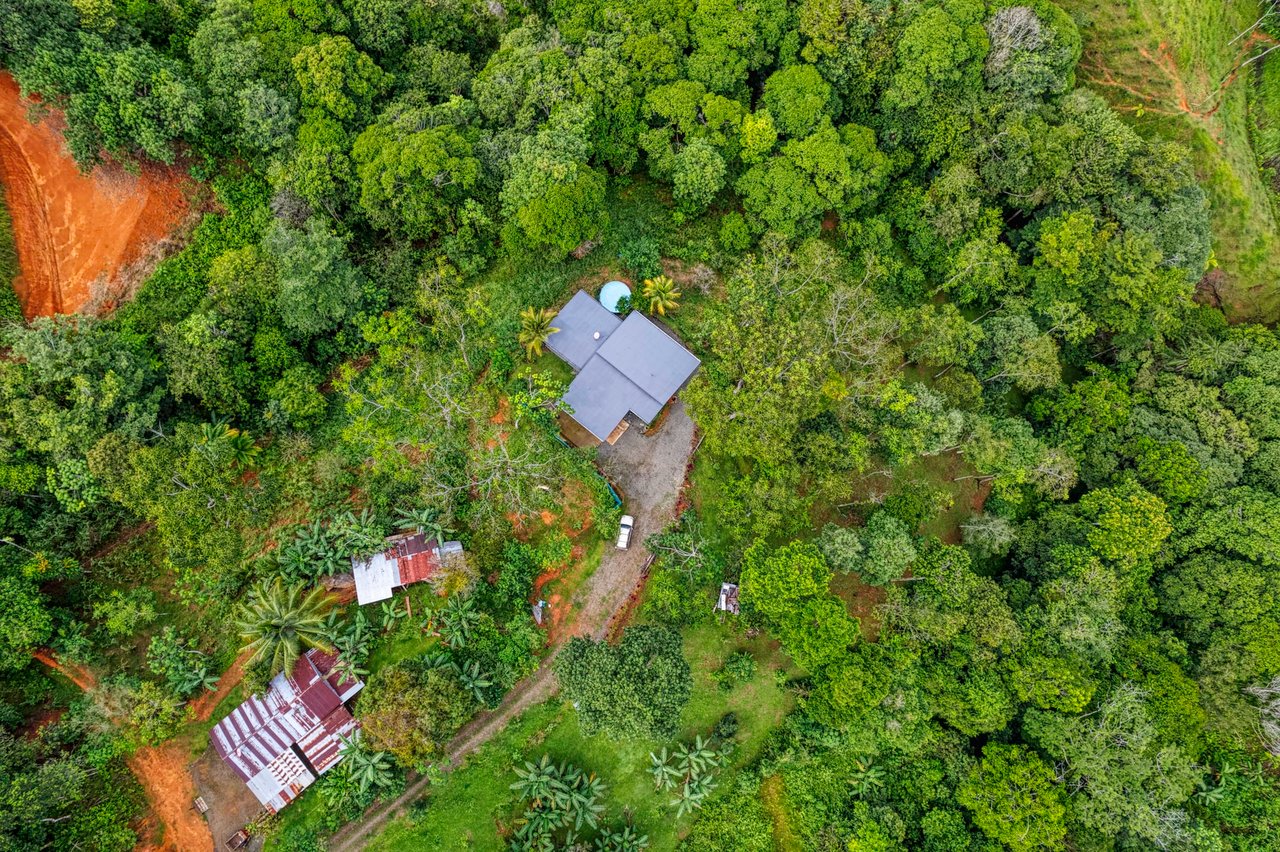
(304, 710)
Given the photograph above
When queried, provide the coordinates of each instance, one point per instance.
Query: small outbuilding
(624, 366)
(728, 600)
(409, 558)
(280, 742)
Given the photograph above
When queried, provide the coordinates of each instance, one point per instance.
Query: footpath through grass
(472, 806)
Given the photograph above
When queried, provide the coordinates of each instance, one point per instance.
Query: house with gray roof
(624, 366)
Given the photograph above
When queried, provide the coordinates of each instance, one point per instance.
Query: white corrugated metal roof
(257, 739)
(375, 578)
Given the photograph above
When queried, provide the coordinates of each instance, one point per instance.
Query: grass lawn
(469, 808)
(307, 812)
(1163, 63)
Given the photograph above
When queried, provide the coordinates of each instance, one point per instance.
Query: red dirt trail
(78, 675)
(203, 706)
(78, 235)
(162, 771)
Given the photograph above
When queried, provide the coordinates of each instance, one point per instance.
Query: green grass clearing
(1167, 64)
(10, 308)
(469, 808)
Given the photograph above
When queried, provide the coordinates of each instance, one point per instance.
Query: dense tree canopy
(1004, 491)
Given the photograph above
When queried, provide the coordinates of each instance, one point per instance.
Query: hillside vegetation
(1189, 70)
(986, 437)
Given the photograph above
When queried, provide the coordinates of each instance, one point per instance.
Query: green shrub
(641, 257)
(735, 236)
(739, 667)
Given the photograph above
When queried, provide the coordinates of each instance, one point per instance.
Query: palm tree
(535, 328)
(660, 294)
(244, 450)
(212, 433)
(280, 621)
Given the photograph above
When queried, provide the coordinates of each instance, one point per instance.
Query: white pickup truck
(624, 531)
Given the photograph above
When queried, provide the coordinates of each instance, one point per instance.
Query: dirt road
(163, 772)
(649, 471)
(203, 705)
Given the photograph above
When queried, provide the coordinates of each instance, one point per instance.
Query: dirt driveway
(649, 471)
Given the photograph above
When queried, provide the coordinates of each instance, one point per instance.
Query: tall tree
(636, 689)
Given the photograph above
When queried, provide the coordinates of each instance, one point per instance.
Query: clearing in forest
(1181, 69)
(82, 240)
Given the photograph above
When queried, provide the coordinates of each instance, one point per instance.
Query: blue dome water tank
(611, 293)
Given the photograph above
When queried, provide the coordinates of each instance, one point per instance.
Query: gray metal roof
(578, 322)
(601, 396)
(634, 366)
(650, 357)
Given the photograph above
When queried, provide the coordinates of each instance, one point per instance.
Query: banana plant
(196, 677)
(866, 779)
(625, 839)
(583, 800)
(539, 782)
(392, 613)
(692, 794)
(459, 617)
(474, 681)
(438, 660)
(366, 768)
(665, 776)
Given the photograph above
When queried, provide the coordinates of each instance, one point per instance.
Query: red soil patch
(45, 717)
(78, 675)
(556, 610)
(577, 501)
(162, 771)
(81, 239)
(202, 707)
(980, 497)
